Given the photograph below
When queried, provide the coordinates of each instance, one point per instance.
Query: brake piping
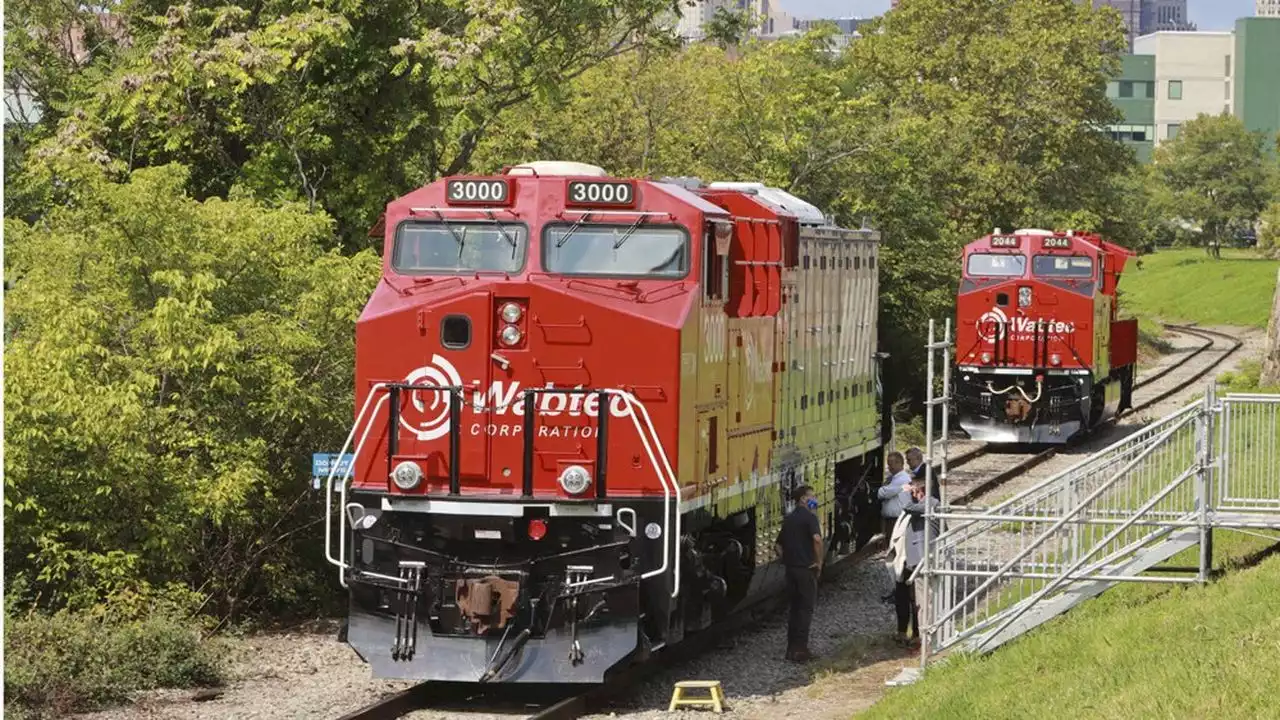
(1032, 400)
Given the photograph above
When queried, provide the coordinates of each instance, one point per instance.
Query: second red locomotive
(1041, 354)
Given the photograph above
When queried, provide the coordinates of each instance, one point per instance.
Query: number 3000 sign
(477, 191)
(600, 193)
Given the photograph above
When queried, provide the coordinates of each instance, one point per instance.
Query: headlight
(511, 312)
(1024, 297)
(407, 475)
(510, 335)
(1055, 359)
(986, 358)
(575, 479)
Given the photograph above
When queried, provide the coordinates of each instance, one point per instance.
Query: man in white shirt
(893, 495)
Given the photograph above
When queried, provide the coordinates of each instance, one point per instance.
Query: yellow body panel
(771, 402)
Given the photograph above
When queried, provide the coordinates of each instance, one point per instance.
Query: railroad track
(551, 703)
(534, 702)
(1212, 340)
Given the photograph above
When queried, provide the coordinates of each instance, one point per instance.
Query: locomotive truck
(1041, 354)
(582, 403)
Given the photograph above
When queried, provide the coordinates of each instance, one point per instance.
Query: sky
(1206, 14)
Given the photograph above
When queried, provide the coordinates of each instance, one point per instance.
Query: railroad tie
(714, 700)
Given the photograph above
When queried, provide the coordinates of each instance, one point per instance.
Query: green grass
(1136, 652)
(1187, 286)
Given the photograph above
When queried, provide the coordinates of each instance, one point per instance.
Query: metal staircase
(994, 573)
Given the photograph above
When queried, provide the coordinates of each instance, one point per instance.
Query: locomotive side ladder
(339, 483)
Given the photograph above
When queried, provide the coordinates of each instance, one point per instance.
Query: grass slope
(1188, 286)
(1136, 652)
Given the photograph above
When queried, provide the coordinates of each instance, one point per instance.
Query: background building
(1193, 75)
(1268, 8)
(694, 14)
(1134, 95)
(1143, 17)
(1257, 72)
(1176, 76)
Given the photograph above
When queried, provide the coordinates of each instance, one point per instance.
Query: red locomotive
(1040, 353)
(581, 403)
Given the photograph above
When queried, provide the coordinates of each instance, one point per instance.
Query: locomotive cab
(1040, 352)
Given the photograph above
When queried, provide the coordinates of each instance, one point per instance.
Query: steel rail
(432, 695)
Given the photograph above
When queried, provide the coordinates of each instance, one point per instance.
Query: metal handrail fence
(994, 572)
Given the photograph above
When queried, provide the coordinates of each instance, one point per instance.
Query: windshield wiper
(503, 229)
(572, 229)
(461, 240)
(634, 226)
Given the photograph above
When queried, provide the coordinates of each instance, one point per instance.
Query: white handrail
(655, 451)
(634, 403)
(328, 497)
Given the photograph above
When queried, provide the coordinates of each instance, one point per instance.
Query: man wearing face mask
(800, 544)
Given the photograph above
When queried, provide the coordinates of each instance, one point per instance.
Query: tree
(728, 28)
(701, 112)
(938, 125)
(991, 115)
(1214, 175)
(341, 105)
(170, 365)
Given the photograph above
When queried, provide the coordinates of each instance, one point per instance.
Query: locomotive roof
(806, 213)
(685, 196)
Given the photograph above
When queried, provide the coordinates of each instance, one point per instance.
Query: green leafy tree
(774, 112)
(1214, 175)
(990, 116)
(169, 366)
(340, 105)
(728, 28)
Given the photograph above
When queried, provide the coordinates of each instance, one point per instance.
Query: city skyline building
(1267, 8)
(1144, 17)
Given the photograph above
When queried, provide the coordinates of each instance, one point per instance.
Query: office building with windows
(1133, 94)
(1193, 75)
(1268, 8)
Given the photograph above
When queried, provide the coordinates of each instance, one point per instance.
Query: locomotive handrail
(340, 561)
(655, 451)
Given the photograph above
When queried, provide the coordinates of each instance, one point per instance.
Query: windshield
(424, 247)
(616, 250)
(996, 265)
(1079, 266)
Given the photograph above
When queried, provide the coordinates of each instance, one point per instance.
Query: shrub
(73, 662)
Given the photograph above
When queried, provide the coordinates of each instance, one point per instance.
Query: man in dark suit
(916, 467)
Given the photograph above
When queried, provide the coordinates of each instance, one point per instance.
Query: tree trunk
(1271, 355)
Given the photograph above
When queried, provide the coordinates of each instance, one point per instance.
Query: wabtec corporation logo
(427, 414)
(994, 324)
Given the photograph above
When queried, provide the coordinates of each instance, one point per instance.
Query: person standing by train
(800, 545)
(916, 467)
(893, 493)
(908, 545)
